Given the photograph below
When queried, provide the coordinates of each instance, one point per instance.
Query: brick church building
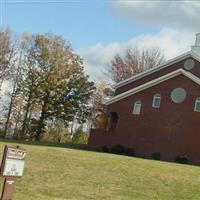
(157, 111)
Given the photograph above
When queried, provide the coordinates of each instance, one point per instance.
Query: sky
(99, 29)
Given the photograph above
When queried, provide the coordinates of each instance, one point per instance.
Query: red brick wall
(178, 65)
(171, 129)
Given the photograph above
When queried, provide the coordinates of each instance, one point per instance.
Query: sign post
(12, 166)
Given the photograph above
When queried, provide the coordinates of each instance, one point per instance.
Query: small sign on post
(12, 166)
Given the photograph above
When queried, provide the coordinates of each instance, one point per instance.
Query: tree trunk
(1, 83)
(72, 126)
(41, 123)
(10, 108)
(17, 121)
(29, 118)
(16, 134)
(42, 118)
(24, 126)
(12, 95)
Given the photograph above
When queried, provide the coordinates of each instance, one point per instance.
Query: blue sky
(83, 22)
(99, 29)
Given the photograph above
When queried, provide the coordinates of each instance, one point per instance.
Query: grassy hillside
(57, 173)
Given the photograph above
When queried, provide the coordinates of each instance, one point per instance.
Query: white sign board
(13, 167)
(13, 162)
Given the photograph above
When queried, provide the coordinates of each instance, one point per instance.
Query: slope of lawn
(57, 173)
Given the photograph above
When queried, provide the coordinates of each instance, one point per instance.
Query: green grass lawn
(57, 173)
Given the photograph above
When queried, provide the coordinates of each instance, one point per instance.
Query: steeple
(196, 47)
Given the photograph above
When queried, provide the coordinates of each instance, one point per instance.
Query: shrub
(1, 133)
(105, 149)
(97, 149)
(156, 156)
(57, 137)
(183, 159)
(117, 149)
(58, 133)
(130, 152)
(17, 135)
(80, 137)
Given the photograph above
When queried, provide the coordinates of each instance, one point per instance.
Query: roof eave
(152, 83)
(155, 69)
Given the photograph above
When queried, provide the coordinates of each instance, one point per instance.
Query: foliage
(99, 116)
(56, 137)
(117, 149)
(183, 159)
(105, 149)
(49, 84)
(134, 61)
(156, 156)
(7, 54)
(57, 134)
(32, 128)
(1, 133)
(63, 90)
(129, 152)
(15, 107)
(80, 137)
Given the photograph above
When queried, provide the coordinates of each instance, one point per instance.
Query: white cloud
(170, 41)
(183, 14)
(97, 59)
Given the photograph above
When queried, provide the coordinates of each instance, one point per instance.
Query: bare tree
(13, 96)
(8, 56)
(135, 61)
(17, 76)
(99, 117)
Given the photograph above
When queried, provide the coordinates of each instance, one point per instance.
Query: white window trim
(195, 105)
(156, 96)
(137, 103)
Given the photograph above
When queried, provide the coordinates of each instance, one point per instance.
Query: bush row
(183, 159)
(121, 150)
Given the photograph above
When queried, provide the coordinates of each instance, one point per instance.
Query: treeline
(49, 93)
(47, 84)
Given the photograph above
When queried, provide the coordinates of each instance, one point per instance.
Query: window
(197, 105)
(137, 108)
(156, 101)
(178, 95)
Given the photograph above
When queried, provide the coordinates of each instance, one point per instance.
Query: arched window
(156, 101)
(137, 108)
(197, 105)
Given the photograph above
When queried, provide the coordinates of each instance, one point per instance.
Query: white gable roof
(152, 83)
(159, 67)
